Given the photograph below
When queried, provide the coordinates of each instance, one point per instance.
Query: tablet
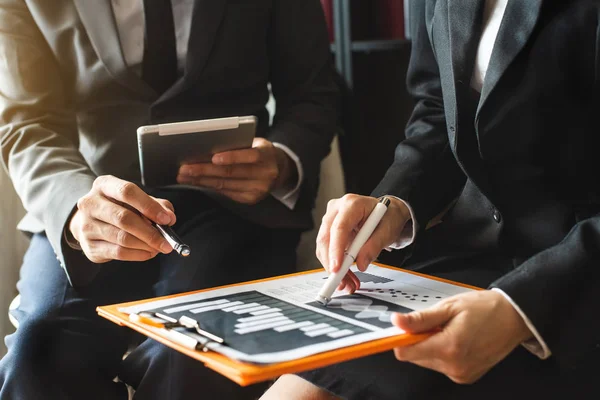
(164, 148)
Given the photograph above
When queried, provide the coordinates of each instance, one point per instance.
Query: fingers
(443, 353)
(245, 156)
(323, 238)
(169, 206)
(101, 231)
(245, 197)
(99, 251)
(237, 171)
(231, 185)
(440, 346)
(425, 320)
(97, 208)
(352, 212)
(135, 197)
(350, 283)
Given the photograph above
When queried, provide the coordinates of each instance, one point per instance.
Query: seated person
(78, 78)
(504, 137)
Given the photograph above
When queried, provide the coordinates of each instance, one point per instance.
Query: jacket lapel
(99, 21)
(517, 25)
(207, 16)
(206, 19)
(464, 30)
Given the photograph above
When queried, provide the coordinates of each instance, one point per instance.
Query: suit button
(497, 216)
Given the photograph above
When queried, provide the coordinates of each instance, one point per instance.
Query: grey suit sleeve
(424, 172)
(38, 133)
(307, 97)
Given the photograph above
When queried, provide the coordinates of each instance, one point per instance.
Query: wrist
(522, 333)
(286, 169)
(69, 237)
(399, 209)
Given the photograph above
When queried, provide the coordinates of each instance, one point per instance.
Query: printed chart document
(278, 320)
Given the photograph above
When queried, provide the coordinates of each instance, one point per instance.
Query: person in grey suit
(496, 184)
(77, 78)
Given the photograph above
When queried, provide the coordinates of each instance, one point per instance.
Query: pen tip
(323, 300)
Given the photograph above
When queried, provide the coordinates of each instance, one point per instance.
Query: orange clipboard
(247, 373)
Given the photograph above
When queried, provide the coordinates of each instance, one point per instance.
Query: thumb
(423, 321)
(261, 142)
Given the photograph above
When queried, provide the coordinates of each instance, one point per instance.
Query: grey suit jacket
(69, 105)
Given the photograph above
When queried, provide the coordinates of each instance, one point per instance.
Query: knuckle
(322, 239)
(84, 202)
(168, 204)
(156, 239)
(122, 237)
(126, 189)
(338, 226)
(331, 204)
(272, 172)
(87, 227)
(415, 318)
(349, 198)
(122, 217)
(118, 253)
(99, 181)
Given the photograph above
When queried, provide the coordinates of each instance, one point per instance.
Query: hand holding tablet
(164, 148)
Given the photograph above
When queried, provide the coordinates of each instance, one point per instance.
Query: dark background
(377, 107)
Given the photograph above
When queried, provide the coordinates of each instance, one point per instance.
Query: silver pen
(171, 237)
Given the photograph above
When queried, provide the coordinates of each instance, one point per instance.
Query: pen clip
(190, 323)
(193, 324)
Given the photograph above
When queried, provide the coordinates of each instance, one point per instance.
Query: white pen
(334, 279)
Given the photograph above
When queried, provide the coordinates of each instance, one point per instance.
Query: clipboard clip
(183, 322)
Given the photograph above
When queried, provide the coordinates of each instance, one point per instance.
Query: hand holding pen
(111, 222)
(340, 226)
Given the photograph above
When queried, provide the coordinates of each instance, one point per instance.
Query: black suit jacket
(521, 164)
(70, 106)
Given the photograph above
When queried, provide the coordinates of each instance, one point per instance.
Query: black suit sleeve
(559, 291)
(559, 288)
(424, 171)
(306, 96)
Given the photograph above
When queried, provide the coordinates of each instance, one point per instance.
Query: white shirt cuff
(288, 194)
(409, 232)
(536, 345)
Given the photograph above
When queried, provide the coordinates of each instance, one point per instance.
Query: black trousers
(64, 350)
(521, 375)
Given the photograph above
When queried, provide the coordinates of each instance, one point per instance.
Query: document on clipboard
(270, 327)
